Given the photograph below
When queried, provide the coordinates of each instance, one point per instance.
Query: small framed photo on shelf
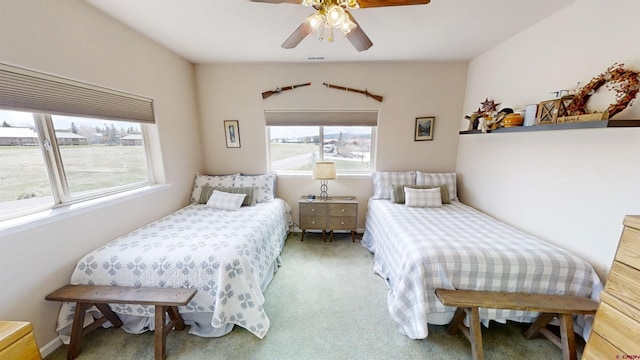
(424, 128)
(232, 133)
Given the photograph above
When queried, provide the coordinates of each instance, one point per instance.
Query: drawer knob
(313, 222)
(342, 210)
(343, 223)
(313, 209)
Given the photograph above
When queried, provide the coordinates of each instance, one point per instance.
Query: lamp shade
(324, 170)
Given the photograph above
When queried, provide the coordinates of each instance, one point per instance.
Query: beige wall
(570, 187)
(70, 38)
(410, 90)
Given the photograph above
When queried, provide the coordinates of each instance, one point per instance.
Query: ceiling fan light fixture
(350, 4)
(336, 16)
(315, 21)
(311, 2)
(347, 26)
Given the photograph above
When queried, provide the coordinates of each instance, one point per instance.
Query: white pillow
(225, 201)
(211, 180)
(435, 179)
(265, 185)
(422, 197)
(382, 181)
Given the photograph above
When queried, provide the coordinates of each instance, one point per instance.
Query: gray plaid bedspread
(227, 255)
(417, 250)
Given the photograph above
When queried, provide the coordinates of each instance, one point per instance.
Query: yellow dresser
(17, 341)
(617, 322)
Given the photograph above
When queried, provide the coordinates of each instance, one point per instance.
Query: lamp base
(323, 190)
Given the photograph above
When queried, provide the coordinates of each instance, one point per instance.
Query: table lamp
(323, 171)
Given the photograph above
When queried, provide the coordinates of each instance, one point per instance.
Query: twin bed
(418, 249)
(229, 256)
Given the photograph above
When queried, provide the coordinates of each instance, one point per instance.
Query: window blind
(27, 90)
(321, 118)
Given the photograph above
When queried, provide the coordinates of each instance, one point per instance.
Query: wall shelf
(562, 126)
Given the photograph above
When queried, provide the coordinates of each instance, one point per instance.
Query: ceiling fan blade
(357, 37)
(278, 1)
(380, 3)
(294, 39)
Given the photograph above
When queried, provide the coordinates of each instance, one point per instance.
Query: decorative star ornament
(489, 105)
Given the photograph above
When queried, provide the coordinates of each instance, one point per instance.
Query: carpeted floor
(325, 302)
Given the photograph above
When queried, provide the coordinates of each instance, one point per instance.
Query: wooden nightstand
(337, 213)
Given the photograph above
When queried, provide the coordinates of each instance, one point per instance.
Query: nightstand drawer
(312, 209)
(313, 222)
(343, 209)
(342, 223)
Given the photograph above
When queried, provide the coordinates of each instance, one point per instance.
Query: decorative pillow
(448, 179)
(225, 201)
(211, 180)
(397, 192)
(382, 181)
(422, 197)
(249, 200)
(265, 185)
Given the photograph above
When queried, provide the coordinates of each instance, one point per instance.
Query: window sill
(309, 175)
(30, 221)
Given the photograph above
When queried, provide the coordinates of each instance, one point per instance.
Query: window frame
(61, 195)
(339, 172)
(46, 95)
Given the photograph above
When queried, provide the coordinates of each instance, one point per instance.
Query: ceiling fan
(333, 15)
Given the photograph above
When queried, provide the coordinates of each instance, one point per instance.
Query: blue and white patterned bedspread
(225, 255)
(417, 250)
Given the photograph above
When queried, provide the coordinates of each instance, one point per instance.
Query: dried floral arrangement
(625, 83)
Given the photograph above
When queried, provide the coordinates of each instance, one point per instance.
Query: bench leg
(456, 321)
(567, 340)
(163, 328)
(540, 323)
(176, 318)
(76, 331)
(568, 337)
(109, 314)
(473, 333)
(476, 334)
(160, 335)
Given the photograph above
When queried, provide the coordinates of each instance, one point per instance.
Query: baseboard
(50, 347)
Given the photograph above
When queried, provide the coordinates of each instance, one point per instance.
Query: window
(347, 138)
(58, 149)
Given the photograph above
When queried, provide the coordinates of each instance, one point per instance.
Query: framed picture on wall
(232, 133)
(424, 128)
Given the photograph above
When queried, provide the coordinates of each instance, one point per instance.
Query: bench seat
(563, 307)
(165, 300)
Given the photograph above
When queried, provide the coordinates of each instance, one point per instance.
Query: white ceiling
(207, 31)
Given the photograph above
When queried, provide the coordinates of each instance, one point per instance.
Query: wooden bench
(549, 306)
(165, 300)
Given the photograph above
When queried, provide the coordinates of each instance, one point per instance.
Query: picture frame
(232, 133)
(424, 128)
